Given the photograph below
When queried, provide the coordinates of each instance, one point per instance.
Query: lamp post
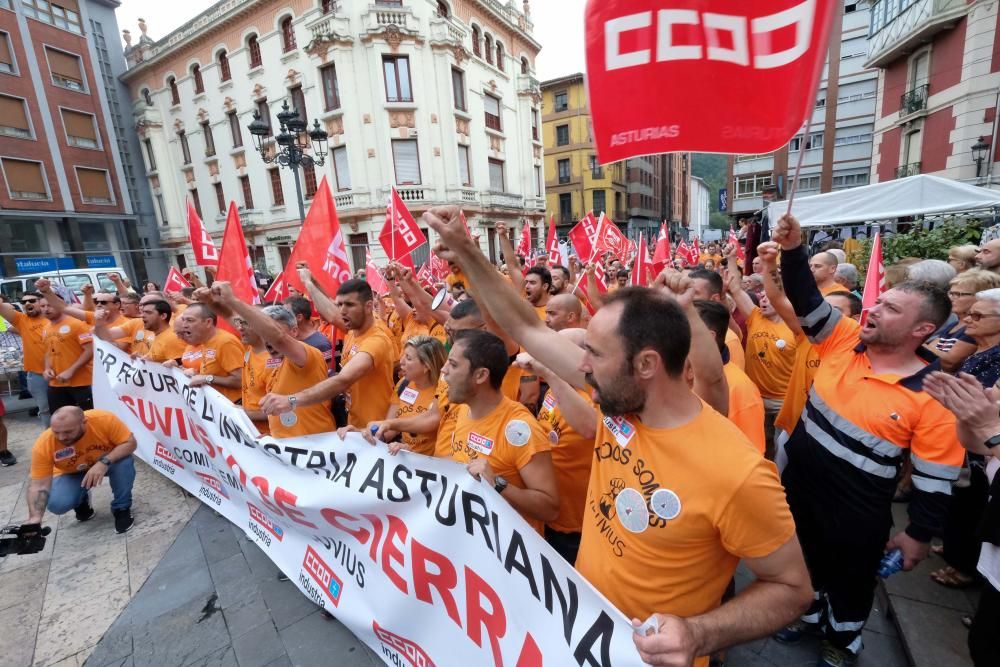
(979, 151)
(292, 141)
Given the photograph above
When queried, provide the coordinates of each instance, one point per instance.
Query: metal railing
(905, 170)
(913, 100)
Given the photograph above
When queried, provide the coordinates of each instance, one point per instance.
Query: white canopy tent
(915, 195)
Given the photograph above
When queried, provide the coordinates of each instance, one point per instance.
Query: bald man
(563, 311)
(74, 455)
(824, 269)
(988, 257)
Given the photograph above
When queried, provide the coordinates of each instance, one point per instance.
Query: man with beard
(561, 281)
(31, 326)
(537, 285)
(156, 341)
(498, 438)
(73, 456)
(212, 357)
(677, 495)
(988, 257)
(866, 407)
(69, 354)
(368, 359)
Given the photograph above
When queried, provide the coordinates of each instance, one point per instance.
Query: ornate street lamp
(292, 142)
(979, 151)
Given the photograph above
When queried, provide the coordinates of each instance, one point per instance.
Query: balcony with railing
(905, 170)
(899, 26)
(380, 16)
(502, 200)
(569, 218)
(447, 31)
(913, 100)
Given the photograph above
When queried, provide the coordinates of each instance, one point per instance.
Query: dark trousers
(60, 397)
(567, 544)
(842, 548)
(961, 543)
(984, 638)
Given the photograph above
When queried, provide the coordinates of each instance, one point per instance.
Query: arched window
(500, 58)
(253, 48)
(443, 10)
(287, 35)
(199, 85)
(328, 6)
(525, 67)
(489, 48)
(224, 72)
(146, 97)
(477, 49)
(175, 95)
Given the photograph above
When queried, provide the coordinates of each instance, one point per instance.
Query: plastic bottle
(891, 563)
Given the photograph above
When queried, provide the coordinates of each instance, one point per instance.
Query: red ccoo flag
(610, 238)
(234, 260)
(661, 254)
(642, 266)
(278, 291)
(735, 240)
(874, 278)
(205, 252)
(175, 282)
(582, 236)
(374, 276)
(320, 245)
(524, 245)
(602, 285)
(400, 235)
(684, 252)
(552, 243)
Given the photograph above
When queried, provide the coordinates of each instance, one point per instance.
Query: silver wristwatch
(292, 400)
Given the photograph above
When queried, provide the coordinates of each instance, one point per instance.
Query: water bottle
(891, 563)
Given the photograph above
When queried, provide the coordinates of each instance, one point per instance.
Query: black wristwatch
(499, 484)
(105, 460)
(993, 442)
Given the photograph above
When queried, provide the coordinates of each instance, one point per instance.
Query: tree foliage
(920, 242)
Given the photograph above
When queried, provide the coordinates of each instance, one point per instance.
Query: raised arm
(510, 257)
(102, 330)
(266, 328)
(324, 305)
(403, 309)
(593, 292)
(734, 285)
(775, 291)
(497, 296)
(579, 413)
(361, 363)
(119, 284)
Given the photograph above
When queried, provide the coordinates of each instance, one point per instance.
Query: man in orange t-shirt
(31, 326)
(500, 440)
(69, 356)
(257, 372)
(212, 357)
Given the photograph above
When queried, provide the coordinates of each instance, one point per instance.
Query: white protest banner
(420, 561)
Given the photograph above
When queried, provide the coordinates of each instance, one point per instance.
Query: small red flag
(175, 282)
(524, 245)
(602, 286)
(582, 236)
(205, 252)
(234, 260)
(278, 291)
(552, 243)
(735, 240)
(610, 239)
(374, 275)
(661, 254)
(642, 266)
(400, 235)
(874, 278)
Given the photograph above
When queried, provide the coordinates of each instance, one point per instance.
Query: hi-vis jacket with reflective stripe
(851, 436)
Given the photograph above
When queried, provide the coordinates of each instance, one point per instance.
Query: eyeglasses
(959, 295)
(975, 317)
(25, 302)
(104, 302)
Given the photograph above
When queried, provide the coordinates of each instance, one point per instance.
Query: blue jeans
(67, 491)
(39, 388)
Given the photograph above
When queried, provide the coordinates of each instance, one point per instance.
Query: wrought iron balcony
(911, 169)
(913, 100)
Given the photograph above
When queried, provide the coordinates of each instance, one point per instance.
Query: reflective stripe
(812, 319)
(930, 485)
(941, 470)
(824, 333)
(857, 460)
(855, 646)
(813, 618)
(872, 442)
(847, 626)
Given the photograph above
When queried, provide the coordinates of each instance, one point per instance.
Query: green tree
(920, 242)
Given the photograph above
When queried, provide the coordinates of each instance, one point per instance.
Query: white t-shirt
(989, 556)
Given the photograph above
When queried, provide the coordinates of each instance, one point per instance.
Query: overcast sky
(558, 28)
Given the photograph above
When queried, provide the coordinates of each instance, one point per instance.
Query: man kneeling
(73, 456)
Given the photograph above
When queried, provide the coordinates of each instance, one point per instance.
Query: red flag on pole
(234, 260)
(524, 245)
(552, 243)
(602, 286)
(374, 276)
(400, 235)
(642, 266)
(735, 240)
(582, 235)
(205, 252)
(320, 245)
(425, 276)
(465, 223)
(175, 282)
(874, 278)
(661, 254)
(439, 267)
(278, 291)
(684, 252)
(610, 239)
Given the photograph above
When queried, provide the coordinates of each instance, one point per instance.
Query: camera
(28, 538)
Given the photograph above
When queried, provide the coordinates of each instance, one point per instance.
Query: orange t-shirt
(32, 331)
(572, 456)
(670, 513)
(160, 347)
(256, 373)
(446, 427)
(746, 407)
(220, 355)
(408, 402)
(368, 399)
(289, 379)
(806, 364)
(511, 385)
(414, 328)
(735, 346)
(770, 354)
(833, 289)
(128, 324)
(64, 341)
(103, 431)
(509, 437)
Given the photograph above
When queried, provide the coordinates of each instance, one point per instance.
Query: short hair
(936, 306)
(716, 318)
(965, 253)
(483, 349)
(299, 305)
(650, 319)
(467, 308)
(356, 286)
(281, 315)
(622, 273)
(131, 297)
(827, 258)
(187, 291)
(559, 267)
(203, 312)
(932, 271)
(543, 274)
(979, 280)
(431, 354)
(161, 306)
(713, 279)
(114, 296)
(853, 299)
(848, 272)
(33, 293)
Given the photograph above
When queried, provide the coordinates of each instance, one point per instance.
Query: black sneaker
(123, 520)
(84, 512)
(7, 459)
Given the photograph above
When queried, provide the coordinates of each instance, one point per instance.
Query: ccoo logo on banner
(419, 560)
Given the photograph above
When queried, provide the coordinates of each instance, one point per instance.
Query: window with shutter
(175, 93)
(206, 129)
(458, 87)
(94, 186)
(14, 118)
(331, 91)
(150, 157)
(492, 106)
(309, 177)
(196, 200)
(299, 103)
(66, 70)
(358, 245)
(397, 79)
(235, 130)
(6, 54)
(265, 113)
(464, 170)
(220, 198)
(496, 175)
(407, 161)
(287, 35)
(277, 194)
(224, 73)
(81, 131)
(199, 83)
(185, 149)
(247, 192)
(253, 48)
(25, 179)
(341, 169)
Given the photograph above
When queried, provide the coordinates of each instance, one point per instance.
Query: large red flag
(874, 278)
(524, 245)
(773, 45)
(175, 282)
(400, 235)
(610, 239)
(439, 267)
(642, 266)
(205, 252)
(278, 291)
(661, 254)
(374, 277)
(552, 243)
(234, 260)
(735, 240)
(320, 245)
(582, 235)
(684, 252)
